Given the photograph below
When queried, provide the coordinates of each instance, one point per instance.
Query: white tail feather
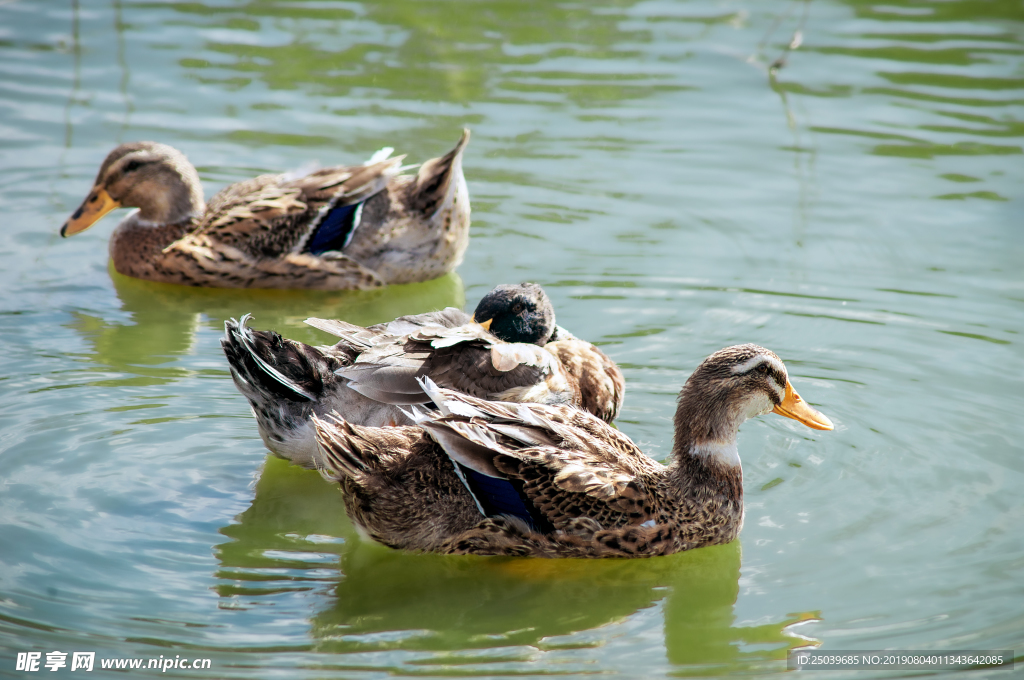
(380, 155)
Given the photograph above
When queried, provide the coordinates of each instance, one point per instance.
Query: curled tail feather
(274, 367)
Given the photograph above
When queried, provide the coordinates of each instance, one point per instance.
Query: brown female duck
(344, 227)
(553, 481)
(513, 351)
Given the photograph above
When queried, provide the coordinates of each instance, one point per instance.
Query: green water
(859, 211)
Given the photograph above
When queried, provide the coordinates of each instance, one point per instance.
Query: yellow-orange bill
(485, 324)
(799, 410)
(97, 204)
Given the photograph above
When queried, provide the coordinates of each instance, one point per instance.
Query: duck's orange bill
(799, 410)
(485, 324)
(97, 204)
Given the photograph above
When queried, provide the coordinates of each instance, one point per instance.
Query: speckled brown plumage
(256, 233)
(601, 496)
(365, 467)
(602, 386)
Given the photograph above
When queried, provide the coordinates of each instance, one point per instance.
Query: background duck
(553, 481)
(513, 351)
(344, 227)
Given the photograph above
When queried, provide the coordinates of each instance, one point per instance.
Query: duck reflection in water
(385, 600)
(163, 319)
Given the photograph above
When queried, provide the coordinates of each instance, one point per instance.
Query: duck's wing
(465, 358)
(271, 216)
(449, 317)
(338, 195)
(562, 463)
(357, 337)
(602, 386)
(363, 339)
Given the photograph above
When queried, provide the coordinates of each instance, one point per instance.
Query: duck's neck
(706, 462)
(136, 243)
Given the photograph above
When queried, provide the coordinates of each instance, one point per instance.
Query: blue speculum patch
(335, 231)
(504, 497)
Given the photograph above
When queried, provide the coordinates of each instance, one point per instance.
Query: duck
(509, 349)
(473, 476)
(338, 228)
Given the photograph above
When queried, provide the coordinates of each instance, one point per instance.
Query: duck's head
(517, 313)
(153, 177)
(734, 384)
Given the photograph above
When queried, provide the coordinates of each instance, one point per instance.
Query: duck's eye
(132, 166)
(518, 307)
(763, 369)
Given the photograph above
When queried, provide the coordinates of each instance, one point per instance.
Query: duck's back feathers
(350, 334)
(449, 317)
(602, 385)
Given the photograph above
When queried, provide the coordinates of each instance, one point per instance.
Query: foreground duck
(344, 227)
(512, 351)
(494, 478)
